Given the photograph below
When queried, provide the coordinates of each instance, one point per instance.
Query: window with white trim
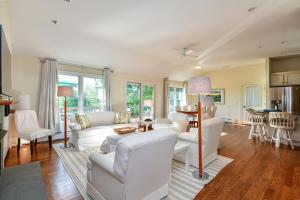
(140, 100)
(87, 90)
(176, 97)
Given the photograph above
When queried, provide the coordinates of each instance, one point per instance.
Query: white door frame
(142, 83)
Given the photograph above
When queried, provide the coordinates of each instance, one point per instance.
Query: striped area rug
(182, 187)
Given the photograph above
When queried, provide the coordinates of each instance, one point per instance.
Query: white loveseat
(102, 125)
(211, 132)
(138, 169)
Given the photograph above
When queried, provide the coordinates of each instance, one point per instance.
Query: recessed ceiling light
(54, 21)
(252, 9)
(198, 67)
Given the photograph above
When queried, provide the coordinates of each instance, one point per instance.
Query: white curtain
(106, 89)
(185, 88)
(253, 94)
(47, 102)
(166, 97)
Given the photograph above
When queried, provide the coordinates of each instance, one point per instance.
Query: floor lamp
(65, 91)
(199, 86)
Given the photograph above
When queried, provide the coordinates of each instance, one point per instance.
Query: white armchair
(172, 121)
(211, 132)
(28, 128)
(139, 169)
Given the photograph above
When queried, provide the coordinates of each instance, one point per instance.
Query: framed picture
(218, 95)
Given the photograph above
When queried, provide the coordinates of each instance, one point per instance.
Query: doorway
(253, 97)
(140, 100)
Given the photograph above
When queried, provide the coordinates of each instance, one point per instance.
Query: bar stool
(258, 123)
(282, 121)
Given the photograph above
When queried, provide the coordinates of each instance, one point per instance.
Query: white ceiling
(143, 37)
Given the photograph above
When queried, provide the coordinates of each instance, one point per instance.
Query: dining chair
(282, 121)
(28, 128)
(259, 124)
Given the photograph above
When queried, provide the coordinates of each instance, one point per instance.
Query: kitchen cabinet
(293, 78)
(285, 78)
(277, 79)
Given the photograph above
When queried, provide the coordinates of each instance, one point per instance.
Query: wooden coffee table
(124, 130)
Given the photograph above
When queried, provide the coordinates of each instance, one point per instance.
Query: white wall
(27, 75)
(26, 78)
(5, 21)
(233, 80)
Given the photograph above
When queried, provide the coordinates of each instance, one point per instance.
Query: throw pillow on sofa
(83, 120)
(121, 118)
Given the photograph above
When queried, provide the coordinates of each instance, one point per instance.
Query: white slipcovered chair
(28, 128)
(138, 169)
(175, 120)
(210, 110)
(211, 133)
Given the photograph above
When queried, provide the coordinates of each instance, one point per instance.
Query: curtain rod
(73, 64)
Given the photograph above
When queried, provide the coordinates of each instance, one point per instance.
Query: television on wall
(5, 66)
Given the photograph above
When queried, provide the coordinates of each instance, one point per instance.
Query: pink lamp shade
(148, 102)
(199, 85)
(64, 91)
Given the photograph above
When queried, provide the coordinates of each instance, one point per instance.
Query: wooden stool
(281, 121)
(259, 124)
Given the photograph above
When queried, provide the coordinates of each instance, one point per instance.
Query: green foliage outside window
(92, 101)
(134, 98)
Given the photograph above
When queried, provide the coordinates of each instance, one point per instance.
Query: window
(87, 90)
(176, 97)
(140, 100)
(93, 94)
(72, 102)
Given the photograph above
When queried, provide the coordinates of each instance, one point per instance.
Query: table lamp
(148, 103)
(65, 91)
(199, 86)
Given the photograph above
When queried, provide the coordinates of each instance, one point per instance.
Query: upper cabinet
(293, 78)
(284, 71)
(277, 79)
(285, 78)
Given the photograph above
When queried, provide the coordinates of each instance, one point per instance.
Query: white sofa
(102, 125)
(211, 132)
(138, 169)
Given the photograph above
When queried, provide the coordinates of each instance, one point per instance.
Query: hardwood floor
(59, 185)
(259, 171)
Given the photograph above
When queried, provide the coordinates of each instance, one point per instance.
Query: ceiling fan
(187, 52)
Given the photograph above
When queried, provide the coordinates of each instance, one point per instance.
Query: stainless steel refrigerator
(286, 99)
